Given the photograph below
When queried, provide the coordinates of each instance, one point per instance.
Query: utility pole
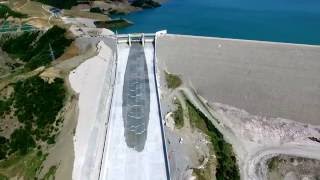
(51, 53)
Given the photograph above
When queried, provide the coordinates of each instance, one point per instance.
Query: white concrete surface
(92, 80)
(121, 162)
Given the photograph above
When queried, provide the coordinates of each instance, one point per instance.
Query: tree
(21, 141)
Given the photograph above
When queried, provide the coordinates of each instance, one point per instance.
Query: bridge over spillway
(135, 145)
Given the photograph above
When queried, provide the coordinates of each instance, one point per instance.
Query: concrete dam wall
(263, 78)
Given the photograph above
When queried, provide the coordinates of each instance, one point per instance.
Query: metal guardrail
(114, 75)
(160, 110)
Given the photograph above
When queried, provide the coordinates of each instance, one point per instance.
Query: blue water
(295, 21)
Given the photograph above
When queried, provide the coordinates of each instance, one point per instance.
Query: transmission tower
(51, 53)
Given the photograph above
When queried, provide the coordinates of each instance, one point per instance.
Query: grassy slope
(36, 104)
(227, 168)
(37, 51)
(6, 12)
(25, 166)
(173, 81)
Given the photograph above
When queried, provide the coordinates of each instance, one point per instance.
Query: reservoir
(293, 21)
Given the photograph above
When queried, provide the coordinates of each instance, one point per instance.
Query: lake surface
(294, 21)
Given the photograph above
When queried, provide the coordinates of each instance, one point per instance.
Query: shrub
(227, 168)
(6, 12)
(37, 105)
(37, 101)
(21, 141)
(96, 10)
(173, 81)
(18, 46)
(63, 4)
(5, 106)
(178, 115)
(35, 49)
(4, 147)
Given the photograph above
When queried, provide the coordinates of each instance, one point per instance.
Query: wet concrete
(136, 99)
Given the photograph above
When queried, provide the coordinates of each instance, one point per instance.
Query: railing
(114, 76)
(159, 107)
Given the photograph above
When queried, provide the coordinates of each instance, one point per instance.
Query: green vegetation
(145, 4)
(113, 24)
(201, 174)
(96, 10)
(178, 115)
(26, 166)
(3, 177)
(116, 12)
(51, 173)
(35, 49)
(273, 163)
(227, 168)
(4, 147)
(62, 4)
(36, 104)
(37, 101)
(6, 12)
(22, 141)
(5, 106)
(17, 46)
(173, 81)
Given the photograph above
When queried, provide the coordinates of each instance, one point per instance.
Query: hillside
(31, 106)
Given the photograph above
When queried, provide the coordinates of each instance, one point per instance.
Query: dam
(277, 80)
(263, 78)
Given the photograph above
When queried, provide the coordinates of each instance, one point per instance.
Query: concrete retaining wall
(263, 78)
